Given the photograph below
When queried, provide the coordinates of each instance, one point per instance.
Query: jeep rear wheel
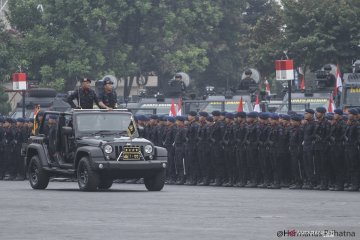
(155, 182)
(88, 179)
(38, 177)
(105, 182)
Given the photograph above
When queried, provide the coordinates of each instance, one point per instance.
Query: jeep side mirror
(66, 131)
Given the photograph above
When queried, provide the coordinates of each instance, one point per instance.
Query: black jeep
(96, 147)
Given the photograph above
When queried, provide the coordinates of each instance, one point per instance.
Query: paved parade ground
(128, 211)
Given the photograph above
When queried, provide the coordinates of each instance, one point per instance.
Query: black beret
(229, 115)
(285, 117)
(252, 115)
(241, 114)
(296, 117)
(170, 119)
(321, 109)
(338, 111)
(263, 115)
(274, 116)
(203, 114)
(20, 119)
(291, 113)
(180, 118)
(353, 111)
(329, 116)
(309, 110)
(216, 113)
(154, 116)
(192, 113)
(8, 119)
(210, 119)
(223, 113)
(107, 80)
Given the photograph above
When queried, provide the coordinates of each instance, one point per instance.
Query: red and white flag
(302, 82)
(267, 87)
(241, 105)
(179, 107)
(172, 112)
(257, 105)
(338, 86)
(331, 106)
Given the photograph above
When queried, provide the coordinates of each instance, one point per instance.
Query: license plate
(131, 153)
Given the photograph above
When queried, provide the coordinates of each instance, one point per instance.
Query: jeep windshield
(103, 123)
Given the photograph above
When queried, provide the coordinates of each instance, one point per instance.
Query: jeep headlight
(148, 149)
(108, 149)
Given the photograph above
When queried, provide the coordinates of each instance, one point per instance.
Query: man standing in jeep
(108, 97)
(85, 96)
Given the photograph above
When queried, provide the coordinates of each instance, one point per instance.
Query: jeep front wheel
(88, 179)
(105, 182)
(38, 177)
(155, 182)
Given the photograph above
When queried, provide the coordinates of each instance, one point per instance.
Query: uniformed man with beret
(169, 144)
(274, 146)
(203, 149)
(161, 129)
(229, 150)
(252, 149)
(10, 162)
(352, 140)
(20, 138)
(153, 133)
(309, 165)
(180, 140)
(321, 161)
(240, 140)
(217, 150)
(284, 154)
(85, 96)
(191, 158)
(295, 146)
(264, 150)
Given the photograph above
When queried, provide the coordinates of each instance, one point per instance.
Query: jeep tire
(105, 182)
(38, 177)
(88, 179)
(155, 182)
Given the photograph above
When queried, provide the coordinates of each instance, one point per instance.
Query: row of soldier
(13, 133)
(316, 150)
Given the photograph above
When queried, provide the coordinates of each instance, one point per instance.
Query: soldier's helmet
(248, 72)
(327, 67)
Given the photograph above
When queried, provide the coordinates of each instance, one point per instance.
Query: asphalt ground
(128, 211)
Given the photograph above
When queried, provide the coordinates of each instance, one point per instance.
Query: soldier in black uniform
(264, 150)
(247, 82)
(2, 148)
(180, 140)
(85, 96)
(352, 140)
(309, 132)
(161, 131)
(21, 135)
(229, 150)
(320, 158)
(295, 142)
(108, 97)
(209, 171)
(153, 134)
(217, 150)
(169, 144)
(202, 149)
(274, 146)
(252, 149)
(191, 160)
(240, 134)
(10, 162)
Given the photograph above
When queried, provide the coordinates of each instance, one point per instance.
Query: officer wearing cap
(309, 130)
(203, 149)
(320, 149)
(247, 82)
(191, 159)
(179, 142)
(295, 146)
(85, 96)
(108, 97)
(169, 144)
(352, 139)
(252, 149)
(217, 151)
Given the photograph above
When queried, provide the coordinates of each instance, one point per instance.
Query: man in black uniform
(295, 141)
(202, 149)
(252, 149)
(85, 96)
(274, 146)
(10, 162)
(108, 97)
(20, 138)
(264, 150)
(352, 140)
(191, 161)
(161, 130)
(240, 134)
(153, 134)
(217, 150)
(322, 163)
(229, 150)
(180, 140)
(248, 82)
(169, 145)
(309, 165)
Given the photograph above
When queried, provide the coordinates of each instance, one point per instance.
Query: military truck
(350, 96)
(95, 147)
